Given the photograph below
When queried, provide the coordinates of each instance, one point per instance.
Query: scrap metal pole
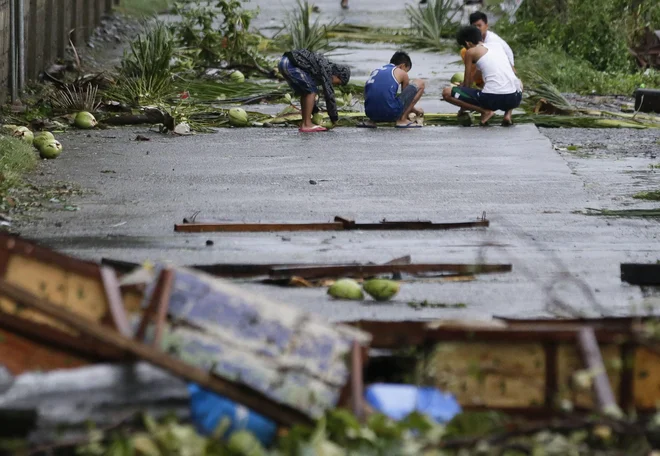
(13, 55)
(593, 359)
(21, 43)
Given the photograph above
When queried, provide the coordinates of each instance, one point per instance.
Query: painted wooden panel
(489, 374)
(19, 354)
(570, 361)
(83, 295)
(646, 378)
(287, 354)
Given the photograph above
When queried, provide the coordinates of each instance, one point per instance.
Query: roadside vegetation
(584, 47)
(16, 158)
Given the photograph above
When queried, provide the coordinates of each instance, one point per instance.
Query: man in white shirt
(502, 90)
(480, 21)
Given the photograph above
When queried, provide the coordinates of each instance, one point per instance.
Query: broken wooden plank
(229, 270)
(255, 227)
(241, 394)
(340, 224)
(640, 274)
(367, 270)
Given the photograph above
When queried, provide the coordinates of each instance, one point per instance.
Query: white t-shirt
(498, 75)
(492, 37)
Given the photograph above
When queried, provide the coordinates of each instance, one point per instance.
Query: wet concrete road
(437, 173)
(529, 191)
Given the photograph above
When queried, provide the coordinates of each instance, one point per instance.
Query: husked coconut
(346, 289)
(238, 117)
(85, 120)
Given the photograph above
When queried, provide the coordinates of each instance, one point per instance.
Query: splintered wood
(290, 356)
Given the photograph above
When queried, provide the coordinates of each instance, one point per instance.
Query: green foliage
(569, 74)
(16, 158)
(302, 33)
(149, 55)
(432, 23)
(218, 33)
(145, 73)
(599, 33)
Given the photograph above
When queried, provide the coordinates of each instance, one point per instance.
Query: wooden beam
(366, 270)
(241, 394)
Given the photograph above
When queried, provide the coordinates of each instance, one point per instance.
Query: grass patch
(16, 159)
(652, 195)
(143, 8)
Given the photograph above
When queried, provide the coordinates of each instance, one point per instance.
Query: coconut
(24, 134)
(237, 76)
(50, 149)
(238, 117)
(85, 120)
(43, 138)
(245, 443)
(457, 79)
(317, 119)
(346, 289)
(381, 289)
(9, 129)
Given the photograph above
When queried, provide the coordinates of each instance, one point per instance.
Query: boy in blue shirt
(381, 102)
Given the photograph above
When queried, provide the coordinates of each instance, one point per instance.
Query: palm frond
(303, 33)
(432, 23)
(84, 98)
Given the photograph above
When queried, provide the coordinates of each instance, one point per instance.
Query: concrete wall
(47, 25)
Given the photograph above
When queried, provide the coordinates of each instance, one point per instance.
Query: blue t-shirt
(380, 101)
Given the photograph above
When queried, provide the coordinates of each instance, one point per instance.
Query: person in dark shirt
(305, 71)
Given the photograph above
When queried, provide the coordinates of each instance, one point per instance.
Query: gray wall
(47, 24)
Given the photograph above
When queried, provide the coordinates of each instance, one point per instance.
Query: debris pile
(162, 357)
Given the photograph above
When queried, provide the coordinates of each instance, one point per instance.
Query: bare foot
(507, 122)
(486, 116)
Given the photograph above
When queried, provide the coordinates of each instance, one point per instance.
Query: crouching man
(381, 101)
(502, 89)
(305, 71)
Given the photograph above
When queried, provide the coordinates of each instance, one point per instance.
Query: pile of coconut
(45, 142)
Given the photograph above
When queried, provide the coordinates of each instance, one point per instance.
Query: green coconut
(317, 119)
(244, 443)
(237, 76)
(381, 289)
(43, 138)
(85, 120)
(51, 149)
(24, 134)
(238, 117)
(346, 289)
(457, 78)
(8, 129)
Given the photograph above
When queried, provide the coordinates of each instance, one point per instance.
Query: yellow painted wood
(83, 295)
(646, 378)
(570, 361)
(490, 374)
